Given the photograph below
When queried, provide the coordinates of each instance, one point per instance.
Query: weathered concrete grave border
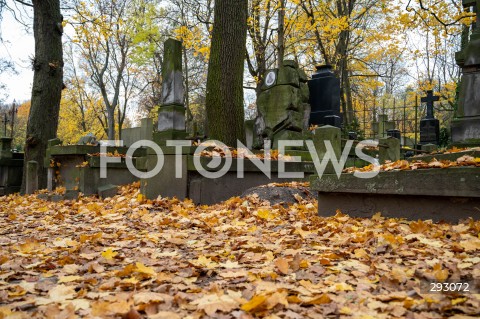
(448, 194)
(439, 194)
(203, 190)
(74, 168)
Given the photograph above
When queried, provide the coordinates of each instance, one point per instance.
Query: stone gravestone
(325, 97)
(282, 105)
(171, 115)
(382, 126)
(135, 134)
(88, 139)
(11, 167)
(429, 126)
(466, 125)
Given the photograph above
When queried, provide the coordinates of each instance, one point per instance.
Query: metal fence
(405, 115)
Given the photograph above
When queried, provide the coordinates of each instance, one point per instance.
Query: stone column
(466, 125)
(171, 115)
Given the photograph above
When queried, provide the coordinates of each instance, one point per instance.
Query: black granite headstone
(429, 126)
(324, 97)
(429, 131)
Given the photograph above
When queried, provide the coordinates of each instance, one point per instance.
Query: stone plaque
(271, 78)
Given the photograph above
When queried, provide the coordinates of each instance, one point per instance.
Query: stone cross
(430, 99)
(5, 122)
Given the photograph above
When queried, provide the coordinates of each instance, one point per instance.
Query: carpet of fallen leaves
(404, 165)
(125, 257)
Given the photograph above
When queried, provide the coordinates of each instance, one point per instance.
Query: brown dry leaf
(471, 244)
(212, 303)
(243, 258)
(282, 265)
(319, 300)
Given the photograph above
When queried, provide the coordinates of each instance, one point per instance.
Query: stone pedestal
(429, 131)
(332, 134)
(171, 117)
(466, 126)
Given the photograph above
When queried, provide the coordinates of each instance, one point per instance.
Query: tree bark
(281, 34)
(224, 100)
(47, 84)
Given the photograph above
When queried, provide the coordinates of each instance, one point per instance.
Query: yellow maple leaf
(254, 303)
(319, 300)
(141, 268)
(265, 214)
(440, 274)
(203, 261)
(109, 254)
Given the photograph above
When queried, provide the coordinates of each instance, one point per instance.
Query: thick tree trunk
(47, 84)
(224, 101)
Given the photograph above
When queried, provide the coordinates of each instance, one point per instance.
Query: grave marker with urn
(429, 126)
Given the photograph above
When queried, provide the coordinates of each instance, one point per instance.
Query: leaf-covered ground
(131, 258)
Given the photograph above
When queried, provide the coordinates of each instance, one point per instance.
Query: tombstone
(324, 97)
(171, 115)
(135, 134)
(382, 126)
(88, 139)
(249, 133)
(466, 125)
(282, 105)
(429, 126)
(11, 167)
(389, 150)
(6, 147)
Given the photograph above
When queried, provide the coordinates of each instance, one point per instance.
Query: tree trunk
(224, 100)
(281, 34)
(47, 84)
(111, 123)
